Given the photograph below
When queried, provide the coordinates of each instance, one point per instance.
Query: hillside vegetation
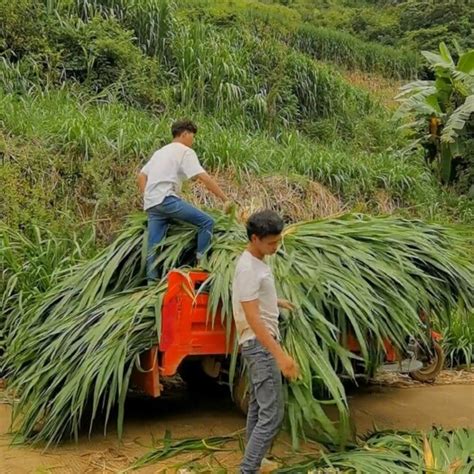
(89, 89)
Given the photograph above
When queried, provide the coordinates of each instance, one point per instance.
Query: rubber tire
(193, 374)
(431, 371)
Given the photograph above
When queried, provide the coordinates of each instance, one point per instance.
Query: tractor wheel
(195, 376)
(432, 368)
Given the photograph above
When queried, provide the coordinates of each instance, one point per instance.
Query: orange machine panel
(186, 330)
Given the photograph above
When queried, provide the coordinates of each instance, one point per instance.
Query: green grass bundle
(75, 346)
(458, 339)
(392, 452)
(33, 260)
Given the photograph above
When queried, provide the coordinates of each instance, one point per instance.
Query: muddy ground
(390, 403)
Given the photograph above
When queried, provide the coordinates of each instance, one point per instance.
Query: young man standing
(160, 182)
(255, 307)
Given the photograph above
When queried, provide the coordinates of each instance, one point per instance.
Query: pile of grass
(33, 260)
(170, 448)
(381, 452)
(399, 452)
(370, 275)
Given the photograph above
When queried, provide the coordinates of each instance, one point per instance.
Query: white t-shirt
(166, 170)
(253, 279)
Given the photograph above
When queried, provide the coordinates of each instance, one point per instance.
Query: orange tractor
(198, 348)
(190, 343)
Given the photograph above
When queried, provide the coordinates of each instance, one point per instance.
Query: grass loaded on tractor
(198, 347)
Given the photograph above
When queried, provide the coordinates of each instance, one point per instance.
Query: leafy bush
(150, 20)
(414, 24)
(100, 53)
(425, 24)
(22, 27)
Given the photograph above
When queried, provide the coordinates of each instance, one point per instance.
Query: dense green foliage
(443, 110)
(88, 91)
(415, 24)
(350, 52)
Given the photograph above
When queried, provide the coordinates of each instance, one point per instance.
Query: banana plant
(442, 109)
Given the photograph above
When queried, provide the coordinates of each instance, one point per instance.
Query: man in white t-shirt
(160, 182)
(255, 308)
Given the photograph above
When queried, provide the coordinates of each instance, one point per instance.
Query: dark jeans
(266, 404)
(159, 218)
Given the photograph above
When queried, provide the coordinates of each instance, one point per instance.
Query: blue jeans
(159, 218)
(266, 404)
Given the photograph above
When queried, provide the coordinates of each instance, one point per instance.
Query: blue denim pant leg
(174, 208)
(266, 405)
(157, 227)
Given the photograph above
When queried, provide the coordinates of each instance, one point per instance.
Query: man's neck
(177, 140)
(254, 252)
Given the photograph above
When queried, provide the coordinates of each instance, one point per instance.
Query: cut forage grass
(74, 347)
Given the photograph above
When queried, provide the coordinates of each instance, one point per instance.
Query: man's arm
(141, 180)
(211, 184)
(286, 363)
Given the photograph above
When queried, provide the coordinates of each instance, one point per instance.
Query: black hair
(264, 223)
(182, 126)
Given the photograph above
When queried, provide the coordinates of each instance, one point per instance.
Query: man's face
(187, 138)
(267, 245)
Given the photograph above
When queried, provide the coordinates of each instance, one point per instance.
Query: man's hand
(288, 366)
(212, 186)
(285, 304)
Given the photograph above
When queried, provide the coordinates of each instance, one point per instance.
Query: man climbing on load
(160, 182)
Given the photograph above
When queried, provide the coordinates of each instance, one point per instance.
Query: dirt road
(201, 416)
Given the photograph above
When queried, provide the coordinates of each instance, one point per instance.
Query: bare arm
(141, 180)
(286, 363)
(211, 184)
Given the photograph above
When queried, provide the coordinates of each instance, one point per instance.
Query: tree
(443, 109)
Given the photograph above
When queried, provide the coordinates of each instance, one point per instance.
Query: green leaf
(466, 62)
(432, 101)
(445, 54)
(436, 60)
(75, 343)
(457, 121)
